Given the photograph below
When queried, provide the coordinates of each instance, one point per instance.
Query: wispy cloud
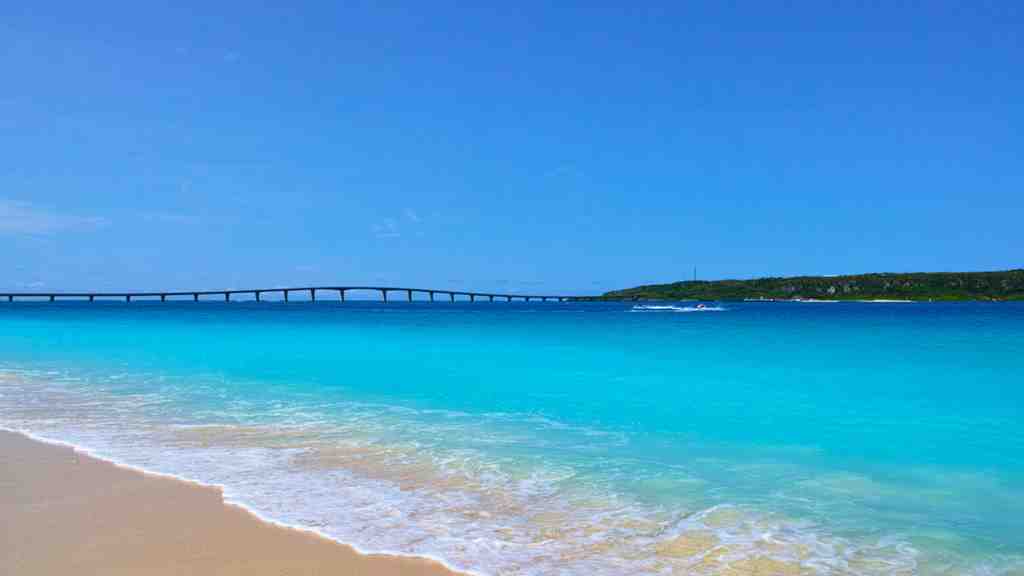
(393, 227)
(17, 217)
(386, 228)
(169, 218)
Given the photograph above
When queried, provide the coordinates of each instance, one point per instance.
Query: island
(916, 286)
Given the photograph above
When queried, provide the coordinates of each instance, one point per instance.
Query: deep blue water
(846, 438)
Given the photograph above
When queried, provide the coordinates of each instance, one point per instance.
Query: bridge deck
(312, 291)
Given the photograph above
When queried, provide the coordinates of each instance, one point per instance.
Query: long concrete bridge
(312, 291)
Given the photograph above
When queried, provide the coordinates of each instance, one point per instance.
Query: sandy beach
(63, 512)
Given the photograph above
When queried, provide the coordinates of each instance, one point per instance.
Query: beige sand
(62, 512)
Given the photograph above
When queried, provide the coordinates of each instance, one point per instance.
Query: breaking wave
(353, 479)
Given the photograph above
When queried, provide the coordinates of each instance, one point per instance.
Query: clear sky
(520, 146)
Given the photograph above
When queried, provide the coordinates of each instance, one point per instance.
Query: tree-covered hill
(1005, 285)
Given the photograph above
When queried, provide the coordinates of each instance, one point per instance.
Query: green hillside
(1005, 285)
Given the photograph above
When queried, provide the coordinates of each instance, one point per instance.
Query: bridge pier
(257, 294)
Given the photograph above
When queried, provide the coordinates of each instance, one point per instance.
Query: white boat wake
(668, 308)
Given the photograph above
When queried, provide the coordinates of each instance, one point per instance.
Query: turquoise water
(838, 438)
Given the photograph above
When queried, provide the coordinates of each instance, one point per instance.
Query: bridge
(312, 291)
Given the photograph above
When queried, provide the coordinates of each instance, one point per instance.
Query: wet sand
(63, 512)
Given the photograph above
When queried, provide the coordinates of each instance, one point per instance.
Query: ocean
(563, 438)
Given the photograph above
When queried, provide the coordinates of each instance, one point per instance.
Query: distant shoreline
(997, 286)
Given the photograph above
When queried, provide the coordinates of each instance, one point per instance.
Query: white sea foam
(670, 308)
(887, 301)
(358, 481)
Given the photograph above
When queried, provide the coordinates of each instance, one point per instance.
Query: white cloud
(18, 217)
(169, 218)
(409, 221)
(386, 228)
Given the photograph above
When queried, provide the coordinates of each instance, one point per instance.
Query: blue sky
(530, 146)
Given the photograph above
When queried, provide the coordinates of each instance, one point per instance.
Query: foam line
(228, 500)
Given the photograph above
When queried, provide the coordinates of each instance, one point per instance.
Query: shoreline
(68, 510)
